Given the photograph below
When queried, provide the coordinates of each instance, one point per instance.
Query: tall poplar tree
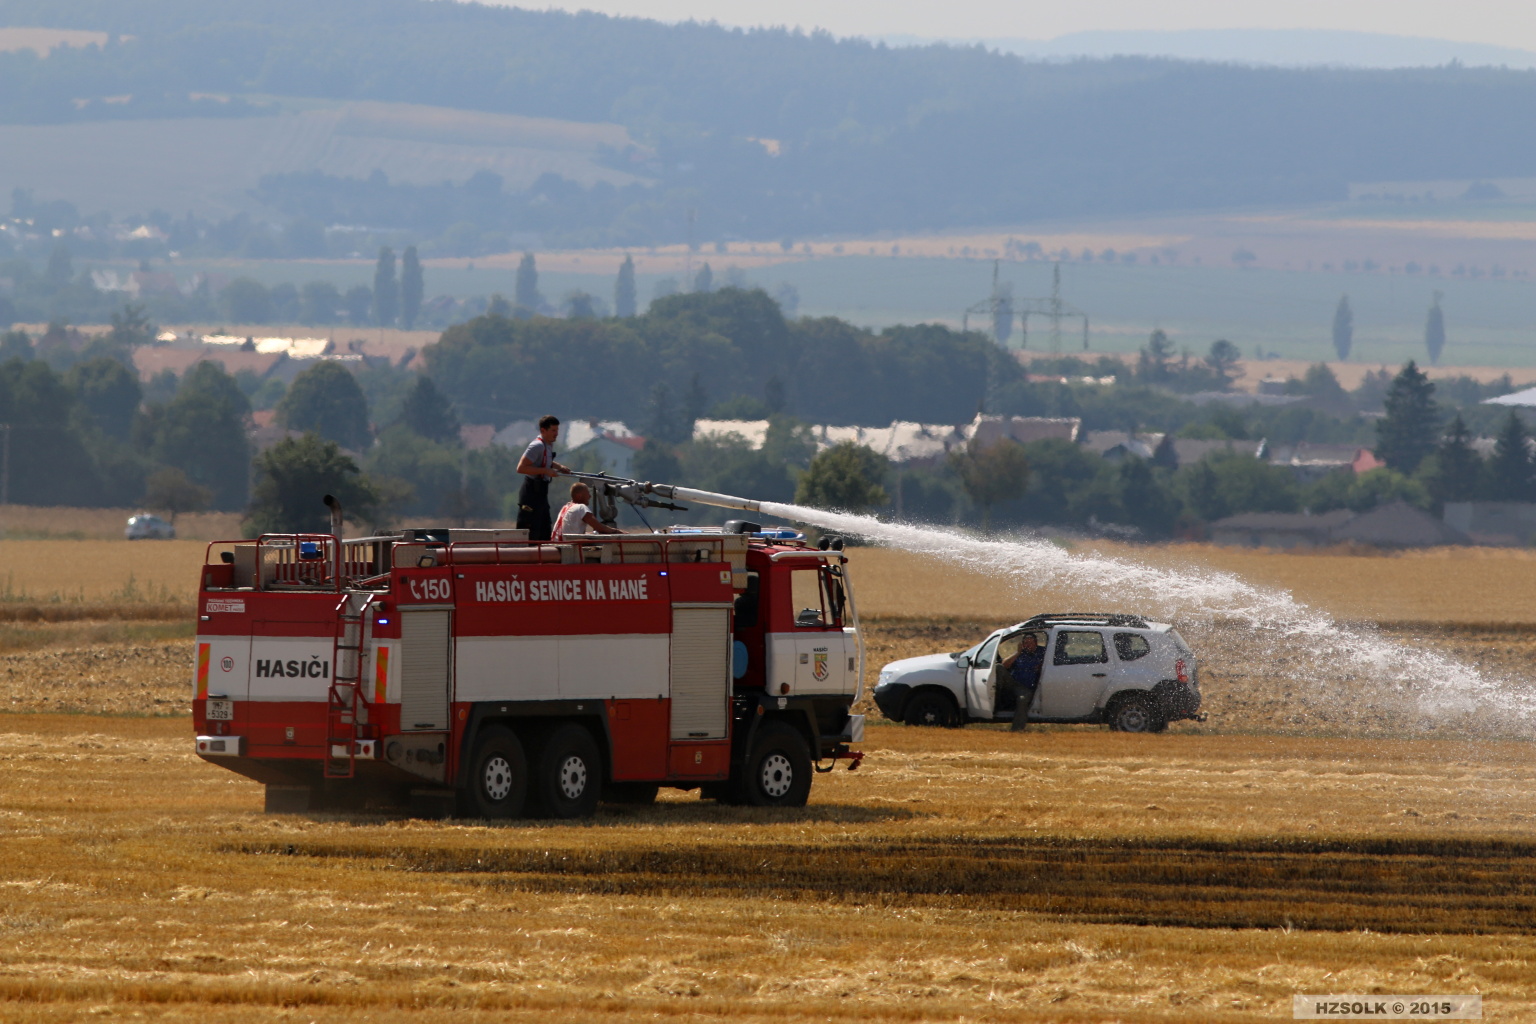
(1434, 331)
(386, 289)
(1343, 328)
(526, 295)
(412, 287)
(624, 289)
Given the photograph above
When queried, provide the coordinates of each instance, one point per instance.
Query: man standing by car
(1024, 672)
(539, 467)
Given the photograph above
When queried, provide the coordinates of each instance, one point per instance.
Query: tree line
(85, 430)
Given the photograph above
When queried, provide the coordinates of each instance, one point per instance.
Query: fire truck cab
(473, 672)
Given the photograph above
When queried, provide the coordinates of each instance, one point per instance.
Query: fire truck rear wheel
(498, 776)
(568, 778)
(778, 768)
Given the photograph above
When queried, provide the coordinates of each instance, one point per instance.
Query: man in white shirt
(576, 516)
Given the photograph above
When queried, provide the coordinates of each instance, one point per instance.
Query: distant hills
(726, 134)
(1277, 47)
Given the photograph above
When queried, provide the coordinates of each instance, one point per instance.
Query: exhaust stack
(336, 516)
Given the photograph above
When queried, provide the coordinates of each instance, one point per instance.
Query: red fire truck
(477, 673)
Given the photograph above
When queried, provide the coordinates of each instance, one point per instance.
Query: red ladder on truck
(346, 695)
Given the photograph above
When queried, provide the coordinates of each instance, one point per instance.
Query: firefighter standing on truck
(538, 465)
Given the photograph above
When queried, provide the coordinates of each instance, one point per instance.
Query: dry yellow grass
(136, 675)
(99, 571)
(33, 523)
(972, 875)
(1065, 874)
(1444, 585)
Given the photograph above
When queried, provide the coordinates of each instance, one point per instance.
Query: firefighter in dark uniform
(538, 467)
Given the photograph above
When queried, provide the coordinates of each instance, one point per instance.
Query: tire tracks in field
(1461, 886)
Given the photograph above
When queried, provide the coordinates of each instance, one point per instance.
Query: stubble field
(1059, 874)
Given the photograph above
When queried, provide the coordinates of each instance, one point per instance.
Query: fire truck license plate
(221, 710)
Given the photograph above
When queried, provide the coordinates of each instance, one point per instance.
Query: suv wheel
(1135, 713)
(932, 708)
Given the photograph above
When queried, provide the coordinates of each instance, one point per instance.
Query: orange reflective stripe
(380, 675)
(559, 533)
(202, 670)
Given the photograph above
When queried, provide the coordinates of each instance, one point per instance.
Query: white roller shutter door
(701, 672)
(423, 670)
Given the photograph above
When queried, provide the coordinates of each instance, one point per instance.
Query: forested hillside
(778, 134)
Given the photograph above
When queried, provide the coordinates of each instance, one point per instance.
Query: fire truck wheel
(498, 776)
(569, 776)
(778, 768)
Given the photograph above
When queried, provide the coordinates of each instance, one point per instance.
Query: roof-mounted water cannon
(607, 491)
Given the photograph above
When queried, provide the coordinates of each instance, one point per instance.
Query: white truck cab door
(1075, 673)
(978, 680)
(825, 656)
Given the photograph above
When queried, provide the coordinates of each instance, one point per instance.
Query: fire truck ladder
(346, 697)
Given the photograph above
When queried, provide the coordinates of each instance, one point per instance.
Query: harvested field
(29, 522)
(99, 572)
(1435, 585)
(1305, 839)
(983, 875)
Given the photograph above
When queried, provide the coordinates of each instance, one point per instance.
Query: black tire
(568, 775)
(777, 772)
(930, 707)
(1135, 712)
(632, 794)
(498, 776)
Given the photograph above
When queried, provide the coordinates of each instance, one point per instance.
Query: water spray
(1436, 684)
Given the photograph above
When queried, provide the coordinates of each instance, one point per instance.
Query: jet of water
(1349, 667)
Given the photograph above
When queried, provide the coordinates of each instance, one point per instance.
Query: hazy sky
(1499, 22)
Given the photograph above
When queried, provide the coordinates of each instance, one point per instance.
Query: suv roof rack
(1092, 618)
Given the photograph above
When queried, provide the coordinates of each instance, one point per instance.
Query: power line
(1001, 307)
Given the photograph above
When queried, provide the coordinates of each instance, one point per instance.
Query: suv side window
(1080, 647)
(1131, 646)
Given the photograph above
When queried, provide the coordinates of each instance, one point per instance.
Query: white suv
(147, 527)
(1134, 675)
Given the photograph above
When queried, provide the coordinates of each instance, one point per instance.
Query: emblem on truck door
(819, 669)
